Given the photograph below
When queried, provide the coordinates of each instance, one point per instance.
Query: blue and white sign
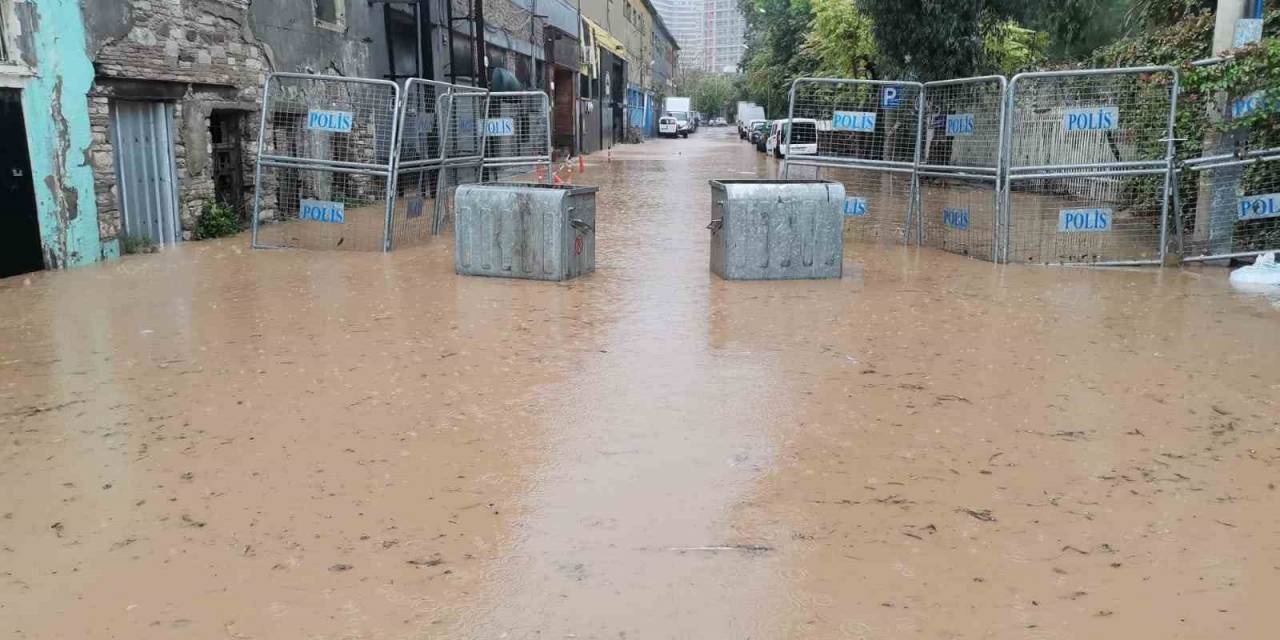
(1092, 119)
(855, 207)
(331, 121)
(891, 97)
(960, 124)
(1246, 105)
(860, 121)
(1071, 220)
(500, 127)
(956, 217)
(467, 125)
(1259, 207)
(323, 211)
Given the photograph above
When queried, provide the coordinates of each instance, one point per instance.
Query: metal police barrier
(1088, 159)
(441, 146)
(1235, 208)
(863, 133)
(961, 147)
(325, 163)
(517, 135)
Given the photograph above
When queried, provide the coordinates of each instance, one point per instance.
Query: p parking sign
(891, 97)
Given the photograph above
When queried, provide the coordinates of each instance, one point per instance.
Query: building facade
(124, 120)
(686, 20)
(724, 36)
(711, 33)
(628, 53)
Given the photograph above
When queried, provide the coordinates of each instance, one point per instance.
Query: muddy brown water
(220, 443)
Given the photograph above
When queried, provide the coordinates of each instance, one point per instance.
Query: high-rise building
(686, 21)
(710, 32)
(724, 36)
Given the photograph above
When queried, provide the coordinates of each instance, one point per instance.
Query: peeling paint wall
(58, 133)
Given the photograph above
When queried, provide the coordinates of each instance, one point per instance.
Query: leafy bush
(217, 220)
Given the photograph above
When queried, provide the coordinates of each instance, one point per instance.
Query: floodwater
(220, 443)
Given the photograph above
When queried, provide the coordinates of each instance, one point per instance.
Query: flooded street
(215, 442)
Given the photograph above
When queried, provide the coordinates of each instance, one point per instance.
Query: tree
(929, 39)
(1008, 48)
(773, 59)
(840, 40)
(712, 95)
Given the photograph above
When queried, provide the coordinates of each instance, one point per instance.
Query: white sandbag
(1264, 271)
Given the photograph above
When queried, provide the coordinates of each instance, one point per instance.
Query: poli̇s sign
(956, 217)
(1070, 220)
(855, 207)
(500, 127)
(1091, 119)
(323, 211)
(1250, 103)
(331, 121)
(1259, 207)
(860, 121)
(960, 124)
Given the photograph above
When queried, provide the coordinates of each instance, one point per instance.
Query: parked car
(719, 122)
(747, 127)
(758, 131)
(760, 136)
(668, 127)
(683, 124)
(804, 138)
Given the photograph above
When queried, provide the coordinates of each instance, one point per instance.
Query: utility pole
(1216, 202)
(1224, 26)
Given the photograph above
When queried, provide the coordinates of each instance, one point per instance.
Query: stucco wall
(58, 132)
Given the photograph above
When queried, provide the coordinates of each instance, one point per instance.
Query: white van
(804, 138)
(668, 126)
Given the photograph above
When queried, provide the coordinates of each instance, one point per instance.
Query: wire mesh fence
(325, 162)
(517, 136)
(1228, 191)
(441, 145)
(1089, 158)
(1235, 211)
(962, 145)
(865, 134)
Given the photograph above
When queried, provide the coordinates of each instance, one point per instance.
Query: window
(331, 14)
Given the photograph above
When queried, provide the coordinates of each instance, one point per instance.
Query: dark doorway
(20, 250)
(226, 135)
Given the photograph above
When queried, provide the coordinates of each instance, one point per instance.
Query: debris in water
(748, 548)
(981, 514)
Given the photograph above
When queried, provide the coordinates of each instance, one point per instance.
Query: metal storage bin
(777, 229)
(525, 230)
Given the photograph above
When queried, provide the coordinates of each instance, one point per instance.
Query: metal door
(20, 250)
(142, 133)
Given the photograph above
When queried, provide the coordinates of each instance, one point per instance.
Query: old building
(126, 119)
(49, 218)
(628, 53)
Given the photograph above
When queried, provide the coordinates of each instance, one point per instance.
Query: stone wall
(195, 54)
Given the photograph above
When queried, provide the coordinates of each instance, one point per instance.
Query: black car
(760, 135)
